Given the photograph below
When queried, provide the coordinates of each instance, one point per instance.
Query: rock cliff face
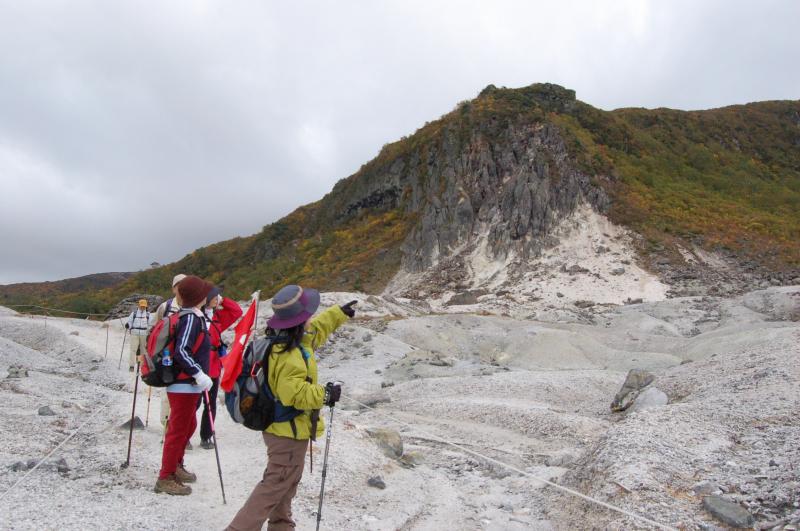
(501, 187)
(514, 190)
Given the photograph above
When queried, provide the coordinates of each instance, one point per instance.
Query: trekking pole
(147, 415)
(124, 337)
(216, 449)
(324, 468)
(133, 412)
(107, 327)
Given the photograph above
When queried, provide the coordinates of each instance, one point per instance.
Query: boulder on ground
(636, 380)
(377, 482)
(728, 511)
(46, 411)
(389, 441)
(124, 307)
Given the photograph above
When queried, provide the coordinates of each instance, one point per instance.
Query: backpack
(161, 348)
(251, 402)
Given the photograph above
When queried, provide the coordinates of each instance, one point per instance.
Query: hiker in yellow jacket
(292, 377)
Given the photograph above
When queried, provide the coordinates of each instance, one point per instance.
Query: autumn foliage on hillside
(725, 178)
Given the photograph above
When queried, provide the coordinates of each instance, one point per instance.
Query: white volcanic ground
(531, 393)
(523, 375)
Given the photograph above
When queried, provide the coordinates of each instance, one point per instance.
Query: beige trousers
(271, 498)
(138, 347)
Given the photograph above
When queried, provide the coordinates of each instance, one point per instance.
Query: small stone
(377, 482)
(367, 338)
(46, 411)
(74, 333)
(412, 459)
(17, 371)
(559, 294)
(728, 511)
(137, 424)
(618, 271)
(584, 304)
(635, 381)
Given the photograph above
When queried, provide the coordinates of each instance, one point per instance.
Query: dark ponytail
(289, 338)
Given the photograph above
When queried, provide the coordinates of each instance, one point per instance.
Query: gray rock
(54, 465)
(46, 411)
(367, 338)
(584, 304)
(650, 398)
(389, 441)
(574, 269)
(618, 271)
(74, 333)
(137, 424)
(466, 297)
(17, 371)
(635, 381)
(728, 511)
(129, 304)
(562, 460)
(377, 482)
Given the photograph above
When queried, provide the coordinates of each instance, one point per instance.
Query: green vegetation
(724, 178)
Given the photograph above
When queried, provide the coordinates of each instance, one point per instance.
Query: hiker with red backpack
(190, 357)
(293, 335)
(220, 314)
(165, 309)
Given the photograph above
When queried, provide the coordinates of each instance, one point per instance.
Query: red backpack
(158, 369)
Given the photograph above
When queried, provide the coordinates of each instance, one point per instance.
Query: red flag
(232, 363)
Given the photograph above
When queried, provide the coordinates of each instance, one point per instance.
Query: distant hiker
(138, 324)
(220, 314)
(292, 377)
(173, 304)
(192, 346)
(167, 308)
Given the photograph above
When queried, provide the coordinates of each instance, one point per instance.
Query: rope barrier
(518, 470)
(51, 309)
(62, 443)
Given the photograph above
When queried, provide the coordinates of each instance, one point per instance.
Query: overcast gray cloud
(116, 117)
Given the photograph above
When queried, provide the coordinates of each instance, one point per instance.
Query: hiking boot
(171, 485)
(189, 445)
(184, 476)
(207, 444)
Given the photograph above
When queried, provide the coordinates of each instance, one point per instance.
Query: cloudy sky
(134, 131)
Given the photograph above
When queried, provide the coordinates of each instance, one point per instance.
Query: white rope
(62, 443)
(520, 471)
(51, 309)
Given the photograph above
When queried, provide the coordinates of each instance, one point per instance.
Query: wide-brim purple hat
(292, 306)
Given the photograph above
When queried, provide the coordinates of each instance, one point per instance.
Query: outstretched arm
(324, 325)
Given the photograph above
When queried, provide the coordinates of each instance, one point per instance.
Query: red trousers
(180, 427)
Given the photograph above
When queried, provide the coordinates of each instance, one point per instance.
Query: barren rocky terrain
(534, 394)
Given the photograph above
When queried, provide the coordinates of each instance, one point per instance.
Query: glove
(203, 381)
(349, 309)
(127, 326)
(333, 392)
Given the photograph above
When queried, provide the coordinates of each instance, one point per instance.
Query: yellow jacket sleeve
(324, 325)
(292, 388)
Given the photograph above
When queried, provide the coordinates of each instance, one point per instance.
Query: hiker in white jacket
(138, 324)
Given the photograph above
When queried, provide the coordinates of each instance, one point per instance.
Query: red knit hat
(193, 290)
